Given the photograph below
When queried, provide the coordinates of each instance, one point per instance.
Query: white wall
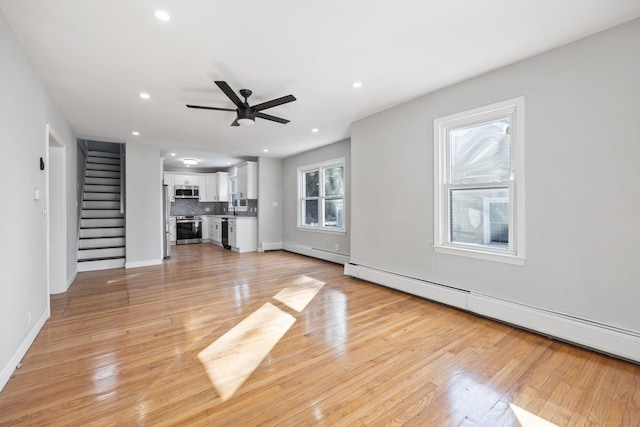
(320, 242)
(269, 203)
(25, 109)
(582, 183)
(144, 205)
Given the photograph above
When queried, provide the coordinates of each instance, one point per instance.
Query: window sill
(322, 230)
(487, 256)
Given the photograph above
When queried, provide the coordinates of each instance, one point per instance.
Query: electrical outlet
(337, 247)
(207, 209)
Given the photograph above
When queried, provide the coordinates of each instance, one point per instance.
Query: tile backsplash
(188, 207)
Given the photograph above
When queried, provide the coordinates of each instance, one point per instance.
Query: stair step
(101, 213)
(101, 196)
(104, 154)
(101, 204)
(103, 160)
(102, 174)
(103, 167)
(101, 222)
(102, 188)
(106, 242)
(101, 232)
(90, 180)
(84, 254)
(100, 264)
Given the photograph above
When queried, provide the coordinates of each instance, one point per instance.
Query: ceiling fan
(247, 113)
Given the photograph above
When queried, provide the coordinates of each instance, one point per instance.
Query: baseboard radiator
(337, 257)
(608, 339)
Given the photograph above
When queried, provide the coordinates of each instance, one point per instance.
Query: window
(479, 182)
(321, 200)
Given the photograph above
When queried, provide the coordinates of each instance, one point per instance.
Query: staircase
(101, 243)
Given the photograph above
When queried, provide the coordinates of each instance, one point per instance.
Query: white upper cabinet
(248, 180)
(169, 182)
(216, 187)
(202, 188)
(186, 180)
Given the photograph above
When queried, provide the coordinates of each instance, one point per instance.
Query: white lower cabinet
(172, 229)
(243, 234)
(215, 231)
(205, 228)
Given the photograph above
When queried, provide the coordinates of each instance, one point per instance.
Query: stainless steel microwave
(187, 192)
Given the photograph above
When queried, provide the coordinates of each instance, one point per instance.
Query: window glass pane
(333, 181)
(480, 153)
(333, 209)
(311, 184)
(310, 212)
(480, 216)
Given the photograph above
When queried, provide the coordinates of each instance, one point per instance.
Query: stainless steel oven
(188, 229)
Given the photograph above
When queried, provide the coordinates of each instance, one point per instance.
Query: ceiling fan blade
(210, 108)
(274, 103)
(230, 93)
(235, 122)
(272, 118)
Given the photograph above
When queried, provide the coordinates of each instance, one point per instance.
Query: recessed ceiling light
(266, 150)
(228, 163)
(173, 154)
(314, 130)
(357, 84)
(144, 95)
(135, 132)
(162, 15)
(189, 162)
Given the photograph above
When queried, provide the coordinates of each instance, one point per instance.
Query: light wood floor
(121, 348)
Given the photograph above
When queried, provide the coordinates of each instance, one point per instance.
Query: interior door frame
(55, 172)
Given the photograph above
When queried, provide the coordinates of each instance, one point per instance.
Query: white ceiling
(96, 56)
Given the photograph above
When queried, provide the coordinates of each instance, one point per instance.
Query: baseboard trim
(147, 263)
(10, 367)
(601, 337)
(270, 246)
(322, 254)
(71, 279)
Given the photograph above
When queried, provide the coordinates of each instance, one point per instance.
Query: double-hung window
(479, 182)
(321, 196)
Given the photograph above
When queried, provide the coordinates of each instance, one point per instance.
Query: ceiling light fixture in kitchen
(162, 15)
(314, 130)
(357, 85)
(135, 132)
(190, 162)
(144, 95)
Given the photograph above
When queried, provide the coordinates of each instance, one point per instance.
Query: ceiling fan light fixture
(190, 162)
(245, 121)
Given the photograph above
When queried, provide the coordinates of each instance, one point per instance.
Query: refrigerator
(166, 213)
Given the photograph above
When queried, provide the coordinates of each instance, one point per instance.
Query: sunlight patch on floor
(527, 419)
(300, 293)
(233, 357)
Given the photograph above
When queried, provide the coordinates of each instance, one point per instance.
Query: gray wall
(291, 234)
(269, 194)
(25, 109)
(582, 182)
(144, 205)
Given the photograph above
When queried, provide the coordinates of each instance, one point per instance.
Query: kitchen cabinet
(169, 182)
(179, 179)
(205, 227)
(243, 234)
(215, 230)
(248, 180)
(217, 187)
(172, 229)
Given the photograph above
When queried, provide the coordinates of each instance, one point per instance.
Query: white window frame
(321, 166)
(515, 254)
